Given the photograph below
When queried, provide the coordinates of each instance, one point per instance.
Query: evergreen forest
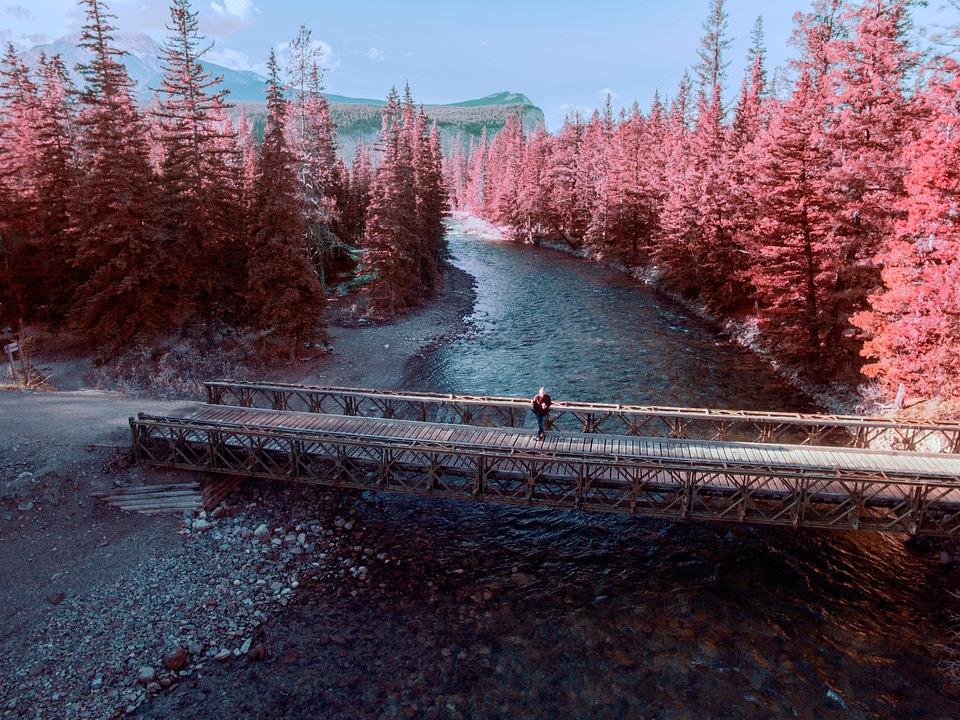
(815, 212)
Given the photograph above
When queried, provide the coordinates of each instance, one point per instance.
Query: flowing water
(626, 617)
(491, 611)
(589, 333)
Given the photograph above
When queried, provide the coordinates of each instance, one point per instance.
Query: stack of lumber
(159, 499)
(155, 499)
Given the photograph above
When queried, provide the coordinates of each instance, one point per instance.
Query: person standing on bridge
(541, 408)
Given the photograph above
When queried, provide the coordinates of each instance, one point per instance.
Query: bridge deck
(790, 459)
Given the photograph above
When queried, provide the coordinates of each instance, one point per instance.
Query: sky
(564, 55)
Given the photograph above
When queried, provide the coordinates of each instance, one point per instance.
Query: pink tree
(914, 321)
(285, 298)
(504, 167)
(200, 177)
(873, 120)
(120, 248)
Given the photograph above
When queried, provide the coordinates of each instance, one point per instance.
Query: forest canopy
(815, 213)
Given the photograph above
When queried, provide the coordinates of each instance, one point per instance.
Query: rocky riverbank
(105, 612)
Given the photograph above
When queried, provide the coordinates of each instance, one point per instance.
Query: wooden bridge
(794, 470)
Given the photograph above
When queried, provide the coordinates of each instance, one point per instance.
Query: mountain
(503, 98)
(460, 123)
(142, 61)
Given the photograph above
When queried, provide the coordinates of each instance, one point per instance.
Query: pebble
(146, 675)
(257, 652)
(175, 659)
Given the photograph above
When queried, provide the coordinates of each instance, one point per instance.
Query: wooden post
(11, 349)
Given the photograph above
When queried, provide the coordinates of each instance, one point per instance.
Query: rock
(257, 652)
(223, 655)
(56, 598)
(263, 533)
(945, 558)
(246, 533)
(25, 477)
(175, 659)
(146, 675)
(202, 525)
(290, 657)
(245, 648)
(153, 688)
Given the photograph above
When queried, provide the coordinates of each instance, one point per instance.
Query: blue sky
(562, 54)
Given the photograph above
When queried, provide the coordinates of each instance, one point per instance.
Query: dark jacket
(541, 405)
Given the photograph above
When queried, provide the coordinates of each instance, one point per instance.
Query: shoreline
(378, 356)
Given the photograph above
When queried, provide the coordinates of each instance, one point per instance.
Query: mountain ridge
(461, 123)
(142, 60)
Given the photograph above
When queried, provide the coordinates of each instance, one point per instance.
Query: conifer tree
(567, 213)
(679, 228)
(200, 176)
(391, 241)
(791, 243)
(353, 210)
(404, 232)
(504, 161)
(313, 139)
(914, 321)
(285, 297)
(432, 203)
(476, 193)
(532, 190)
(19, 115)
(19, 103)
(120, 249)
(751, 117)
(54, 182)
(873, 120)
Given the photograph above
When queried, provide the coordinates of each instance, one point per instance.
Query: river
(488, 611)
(627, 617)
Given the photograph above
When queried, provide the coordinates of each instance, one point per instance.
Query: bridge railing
(649, 421)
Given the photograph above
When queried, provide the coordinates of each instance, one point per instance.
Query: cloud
(322, 48)
(18, 12)
(614, 95)
(243, 10)
(326, 60)
(234, 60)
(375, 55)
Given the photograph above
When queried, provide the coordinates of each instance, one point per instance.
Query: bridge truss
(830, 490)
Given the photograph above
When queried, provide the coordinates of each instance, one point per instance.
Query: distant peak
(500, 98)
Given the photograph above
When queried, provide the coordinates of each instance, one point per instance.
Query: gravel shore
(106, 613)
